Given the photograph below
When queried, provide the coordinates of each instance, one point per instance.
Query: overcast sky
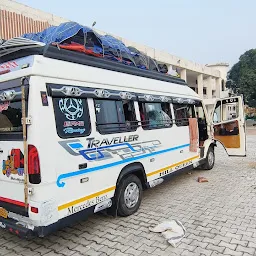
(203, 31)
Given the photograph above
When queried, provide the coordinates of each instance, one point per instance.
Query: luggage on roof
(75, 37)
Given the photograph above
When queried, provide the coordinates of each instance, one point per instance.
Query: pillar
(209, 87)
(200, 86)
(183, 74)
(218, 87)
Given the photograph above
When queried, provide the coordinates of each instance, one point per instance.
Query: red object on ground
(202, 179)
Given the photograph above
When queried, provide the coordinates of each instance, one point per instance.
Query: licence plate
(3, 213)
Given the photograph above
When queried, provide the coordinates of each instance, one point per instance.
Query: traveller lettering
(92, 143)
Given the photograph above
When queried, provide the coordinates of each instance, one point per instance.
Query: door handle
(181, 151)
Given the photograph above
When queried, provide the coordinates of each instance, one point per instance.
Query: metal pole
(24, 129)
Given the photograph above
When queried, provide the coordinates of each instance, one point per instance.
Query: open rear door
(229, 125)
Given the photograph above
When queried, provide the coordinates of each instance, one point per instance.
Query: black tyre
(210, 159)
(129, 195)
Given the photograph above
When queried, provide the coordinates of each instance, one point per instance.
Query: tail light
(33, 165)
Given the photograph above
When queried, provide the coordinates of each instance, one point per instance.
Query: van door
(229, 125)
(11, 149)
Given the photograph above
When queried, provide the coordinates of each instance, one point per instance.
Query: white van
(80, 134)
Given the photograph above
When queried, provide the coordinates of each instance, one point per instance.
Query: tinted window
(10, 116)
(115, 116)
(182, 113)
(72, 117)
(155, 115)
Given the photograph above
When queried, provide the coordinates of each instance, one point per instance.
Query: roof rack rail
(21, 47)
(16, 44)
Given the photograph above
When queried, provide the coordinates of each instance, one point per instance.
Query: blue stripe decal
(101, 167)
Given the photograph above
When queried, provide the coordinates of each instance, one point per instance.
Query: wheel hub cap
(131, 195)
(211, 158)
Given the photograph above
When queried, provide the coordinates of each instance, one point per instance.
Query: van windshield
(10, 116)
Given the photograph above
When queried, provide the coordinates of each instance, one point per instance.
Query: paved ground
(251, 130)
(220, 218)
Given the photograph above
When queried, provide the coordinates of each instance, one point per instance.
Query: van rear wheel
(129, 194)
(210, 159)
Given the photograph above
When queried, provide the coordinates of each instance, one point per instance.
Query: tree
(242, 77)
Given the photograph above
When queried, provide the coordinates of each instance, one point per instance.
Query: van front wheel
(210, 159)
(129, 195)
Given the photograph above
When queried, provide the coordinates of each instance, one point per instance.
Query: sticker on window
(44, 99)
(4, 106)
(71, 108)
(72, 117)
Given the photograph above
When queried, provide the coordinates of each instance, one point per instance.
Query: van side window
(155, 115)
(115, 116)
(182, 113)
(10, 117)
(72, 117)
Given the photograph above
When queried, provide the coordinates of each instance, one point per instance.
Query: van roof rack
(16, 44)
(21, 47)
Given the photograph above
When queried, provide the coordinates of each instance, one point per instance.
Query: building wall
(13, 24)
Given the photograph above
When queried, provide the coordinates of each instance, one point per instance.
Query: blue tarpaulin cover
(73, 33)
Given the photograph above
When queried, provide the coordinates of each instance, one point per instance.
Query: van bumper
(11, 226)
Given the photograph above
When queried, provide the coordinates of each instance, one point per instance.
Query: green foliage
(242, 77)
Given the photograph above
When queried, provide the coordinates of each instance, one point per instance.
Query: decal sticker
(73, 123)
(8, 65)
(70, 116)
(87, 204)
(134, 154)
(71, 130)
(4, 106)
(185, 164)
(17, 64)
(97, 150)
(71, 108)
(175, 168)
(14, 165)
(230, 100)
(44, 99)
